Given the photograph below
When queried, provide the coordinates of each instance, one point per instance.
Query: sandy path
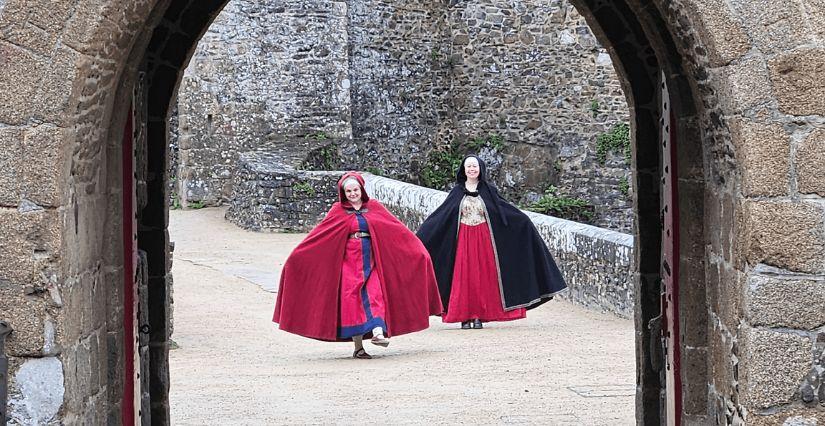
(562, 365)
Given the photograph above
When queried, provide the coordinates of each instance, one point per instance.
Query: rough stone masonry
(531, 73)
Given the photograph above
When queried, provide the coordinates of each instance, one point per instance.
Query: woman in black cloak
(490, 261)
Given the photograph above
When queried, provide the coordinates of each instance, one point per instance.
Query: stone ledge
(597, 263)
(269, 195)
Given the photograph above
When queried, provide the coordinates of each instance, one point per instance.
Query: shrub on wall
(553, 204)
(616, 140)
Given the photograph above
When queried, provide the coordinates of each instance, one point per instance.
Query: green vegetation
(317, 136)
(441, 166)
(594, 108)
(324, 158)
(303, 188)
(175, 205)
(195, 205)
(494, 141)
(551, 203)
(624, 186)
(374, 170)
(327, 157)
(616, 140)
(442, 163)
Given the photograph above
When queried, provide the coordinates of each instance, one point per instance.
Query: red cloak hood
(308, 296)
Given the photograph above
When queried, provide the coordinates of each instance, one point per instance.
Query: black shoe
(477, 324)
(466, 325)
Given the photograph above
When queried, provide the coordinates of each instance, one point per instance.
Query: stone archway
(743, 79)
(641, 50)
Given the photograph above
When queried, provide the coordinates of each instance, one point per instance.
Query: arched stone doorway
(643, 48)
(748, 112)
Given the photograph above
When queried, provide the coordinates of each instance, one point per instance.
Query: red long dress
(362, 298)
(476, 290)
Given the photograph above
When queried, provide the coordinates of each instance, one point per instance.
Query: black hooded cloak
(529, 275)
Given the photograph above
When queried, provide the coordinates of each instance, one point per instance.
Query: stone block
(815, 10)
(795, 416)
(29, 247)
(44, 165)
(785, 301)
(723, 366)
(81, 28)
(58, 85)
(764, 153)
(27, 315)
(773, 26)
(785, 234)
(810, 164)
(37, 391)
(18, 81)
(726, 297)
(797, 78)
(695, 380)
(11, 159)
(744, 84)
(775, 364)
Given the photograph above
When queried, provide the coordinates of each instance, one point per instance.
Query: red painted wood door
(131, 386)
(670, 259)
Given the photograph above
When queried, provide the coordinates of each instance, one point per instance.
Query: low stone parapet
(597, 263)
(269, 195)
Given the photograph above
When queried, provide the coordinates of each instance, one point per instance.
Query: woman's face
(352, 191)
(471, 168)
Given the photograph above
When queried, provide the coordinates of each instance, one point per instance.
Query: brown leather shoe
(361, 354)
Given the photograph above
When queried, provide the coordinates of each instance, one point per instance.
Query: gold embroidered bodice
(472, 211)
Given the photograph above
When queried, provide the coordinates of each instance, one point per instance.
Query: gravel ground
(563, 365)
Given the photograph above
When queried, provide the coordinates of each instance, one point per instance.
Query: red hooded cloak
(308, 296)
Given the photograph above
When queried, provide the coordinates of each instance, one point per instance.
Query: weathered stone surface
(36, 391)
(773, 26)
(18, 82)
(29, 246)
(272, 196)
(785, 301)
(596, 263)
(553, 91)
(796, 78)
(744, 84)
(810, 164)
(764, 153)
(233, 99)
(815, 9)
(776, 364)
(785, 234)
(58, 85)
(695, 370)
(10, 174)
(415, 76)
(796, 416)
(27, 314)
(720, 28)
(44, 163)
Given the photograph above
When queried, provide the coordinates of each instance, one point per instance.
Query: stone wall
(269, 195)
(751, 108)
(400, 86)
(597, 263)
(533, 73)
(265, 72)
(421, 75)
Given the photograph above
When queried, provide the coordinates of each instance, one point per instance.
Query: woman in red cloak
(359, 273)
